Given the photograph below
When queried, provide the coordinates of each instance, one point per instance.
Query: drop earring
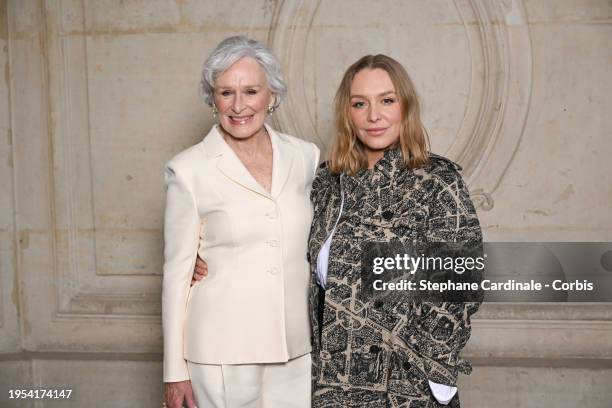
(270, 110)
(215, 110)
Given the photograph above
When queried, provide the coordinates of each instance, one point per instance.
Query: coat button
(273, 271)
(406, 365)
(374, 349)
(378, 304)
(387, 215)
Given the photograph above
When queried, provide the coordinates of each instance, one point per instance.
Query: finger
(201, 264)
(174, 395)
(176, 402)
(170, 398)
(172, 402)
(189, 399)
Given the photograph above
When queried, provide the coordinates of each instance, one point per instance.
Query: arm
(181, 235)
(444, 328)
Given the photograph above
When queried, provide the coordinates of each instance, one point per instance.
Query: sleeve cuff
(442, 393)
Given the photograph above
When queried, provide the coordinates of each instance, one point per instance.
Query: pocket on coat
(406, 374)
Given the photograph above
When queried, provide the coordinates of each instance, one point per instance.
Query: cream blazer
(253, 306)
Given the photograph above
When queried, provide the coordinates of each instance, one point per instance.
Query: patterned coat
(374, 353)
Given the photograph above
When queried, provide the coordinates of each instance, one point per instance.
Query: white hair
(233, 49)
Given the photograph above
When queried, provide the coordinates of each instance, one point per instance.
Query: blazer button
(374, 349)
(406, 365)
(273, 271)
(387, 215)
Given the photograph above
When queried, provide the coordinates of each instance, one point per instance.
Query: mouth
(240, 120)
(376, 131)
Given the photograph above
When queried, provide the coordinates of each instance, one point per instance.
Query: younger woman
(382, 185)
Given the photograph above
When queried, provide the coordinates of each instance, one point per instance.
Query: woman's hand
(200, 271)
(177, 392)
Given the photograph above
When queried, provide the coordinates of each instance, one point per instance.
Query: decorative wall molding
(554, 339)
(493, 124)
(81, 287)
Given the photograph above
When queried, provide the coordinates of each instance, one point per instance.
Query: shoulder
(300, 144)
(186, 160)
(324, 185)
(324, 176)
(308, 150)
(441, 169)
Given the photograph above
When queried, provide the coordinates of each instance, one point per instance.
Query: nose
(373, 114)
(238, 104)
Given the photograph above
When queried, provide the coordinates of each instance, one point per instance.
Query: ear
(273, 97)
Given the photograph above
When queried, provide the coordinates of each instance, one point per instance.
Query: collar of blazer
(230, 165)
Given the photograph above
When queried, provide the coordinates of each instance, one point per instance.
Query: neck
(249, 145)
(373, 157)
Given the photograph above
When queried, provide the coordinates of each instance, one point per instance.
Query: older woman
(382, 185)
(240, 337)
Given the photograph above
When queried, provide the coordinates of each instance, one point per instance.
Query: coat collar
(230, 165)
(391, 164)
(389, 167)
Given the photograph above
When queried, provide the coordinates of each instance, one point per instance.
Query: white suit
(252, 307)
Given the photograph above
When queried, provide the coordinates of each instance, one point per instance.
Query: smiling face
(242, 97)
(375, 112)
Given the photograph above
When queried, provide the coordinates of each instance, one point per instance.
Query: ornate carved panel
(444, 44)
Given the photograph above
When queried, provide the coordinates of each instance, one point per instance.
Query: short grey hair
(233, 49)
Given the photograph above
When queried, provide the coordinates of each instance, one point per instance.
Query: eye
(226, 93)
(252, 92)
(358, 104)
(388, 101)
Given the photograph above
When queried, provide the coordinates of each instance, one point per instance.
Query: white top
(323, 257)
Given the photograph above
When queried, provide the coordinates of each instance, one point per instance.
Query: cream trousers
(270, 385)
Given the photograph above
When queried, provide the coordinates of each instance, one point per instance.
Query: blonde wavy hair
(347, 152)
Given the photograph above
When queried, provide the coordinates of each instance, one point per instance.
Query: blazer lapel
(282, 161)
(229, 164)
